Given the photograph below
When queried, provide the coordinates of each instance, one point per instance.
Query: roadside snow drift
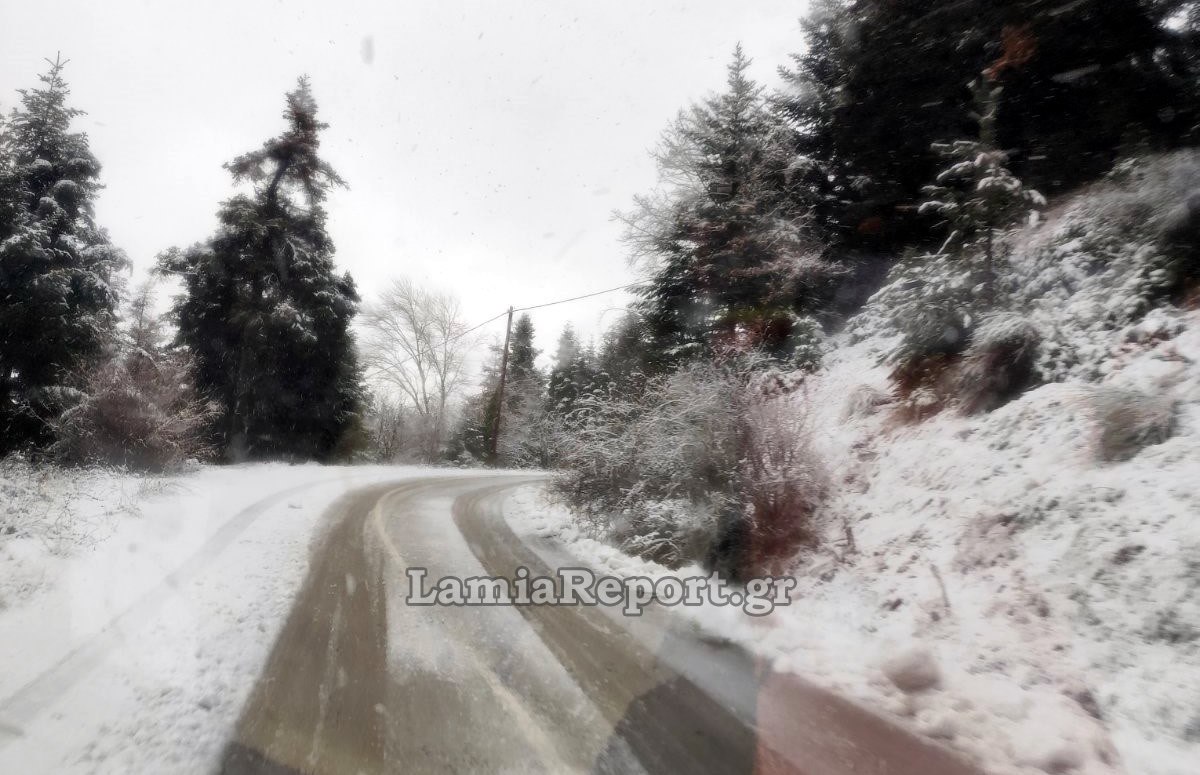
(136, 612)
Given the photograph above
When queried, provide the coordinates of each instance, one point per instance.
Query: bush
(136, 410)
(999, 365)
(712, 463)
(1105, 257)
(671, 533)
(627, 457)
(1128, 421)
(929, 302)
(924, 386)
(781, 479)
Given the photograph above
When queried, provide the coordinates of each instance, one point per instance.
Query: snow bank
(1053, 597)
(138, 611)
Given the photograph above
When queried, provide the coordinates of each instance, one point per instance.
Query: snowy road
(359, 681)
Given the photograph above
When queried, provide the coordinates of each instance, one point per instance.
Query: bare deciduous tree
(415, 344)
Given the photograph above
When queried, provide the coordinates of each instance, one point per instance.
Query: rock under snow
(913, 670)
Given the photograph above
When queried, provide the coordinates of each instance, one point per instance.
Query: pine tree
(977, 195)
(263, 309)
(522, 441)
(523, 374)
(726, 239)
(523, 408)
(59, 272)
(809, 104)
(471, 441)
(880, 82)
(568, 375)
(625, 359)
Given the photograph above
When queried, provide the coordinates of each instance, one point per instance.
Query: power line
(456, 337)
(574, 298)
(493, 319)
(473, 329)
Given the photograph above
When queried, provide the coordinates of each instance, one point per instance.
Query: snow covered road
(254, 619)
(134, 651)
(361, 681)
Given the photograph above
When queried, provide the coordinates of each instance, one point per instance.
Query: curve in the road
(528, 689)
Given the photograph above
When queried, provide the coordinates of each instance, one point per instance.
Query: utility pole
(495, 440)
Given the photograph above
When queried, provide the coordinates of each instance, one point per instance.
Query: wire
(576, 298)
(456, 337)
(475, 328)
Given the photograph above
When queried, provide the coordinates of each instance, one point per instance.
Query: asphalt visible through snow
(361, 682)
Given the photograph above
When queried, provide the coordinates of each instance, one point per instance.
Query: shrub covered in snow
(137, 407)
(808, 344)
(1100, 262)
(781, 479)
(710, 463)
(669, 532)
(1104, 259)
(675, 443)
(929, 302)
(1128, 421)
(138, 411)
(999, 364)
(61, 509)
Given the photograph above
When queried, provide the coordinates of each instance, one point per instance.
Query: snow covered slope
(1038, 567)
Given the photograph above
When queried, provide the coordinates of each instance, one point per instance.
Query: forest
(908, 140)
(916, 323)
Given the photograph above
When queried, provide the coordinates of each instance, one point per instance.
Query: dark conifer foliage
(728, 236)
(263, 309)
(881, 80)
(625, 358)
(522, 435)
(573, 374)
(58, 269)
(471, 441)
(524, 377)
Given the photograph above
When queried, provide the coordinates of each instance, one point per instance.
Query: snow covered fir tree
(59, 272)
(908, 321)
(263, 309)
(977, 196)
(725, 235)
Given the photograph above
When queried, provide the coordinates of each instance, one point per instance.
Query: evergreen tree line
(540, 407)
(904, 126)
(908, 135)
(262, 363)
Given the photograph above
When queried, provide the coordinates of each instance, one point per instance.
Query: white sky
(485, 143)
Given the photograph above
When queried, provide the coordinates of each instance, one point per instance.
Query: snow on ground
(136, 612)
(1047, 598)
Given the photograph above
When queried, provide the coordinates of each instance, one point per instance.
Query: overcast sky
(485, 143)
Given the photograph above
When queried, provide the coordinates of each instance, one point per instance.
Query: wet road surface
(361, 682)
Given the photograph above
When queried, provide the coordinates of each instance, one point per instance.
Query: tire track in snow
(28, 702)
(316, 706)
